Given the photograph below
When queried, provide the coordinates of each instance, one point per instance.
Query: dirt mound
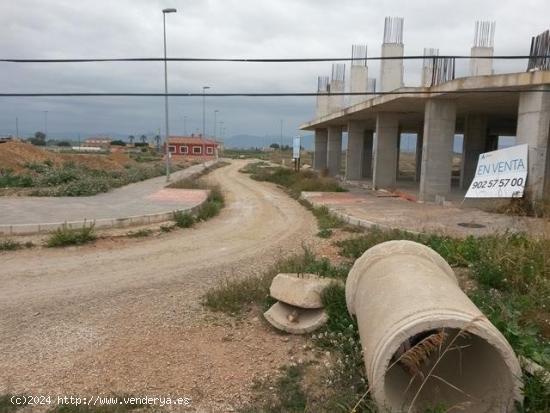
(15, 156)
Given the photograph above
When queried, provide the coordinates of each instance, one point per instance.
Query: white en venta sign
(500, 174)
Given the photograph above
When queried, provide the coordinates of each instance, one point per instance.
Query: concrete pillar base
(354, 154)
(367, 154)
(437, 151)
(334, 150)
(320, 151)
(385, 150)
(475, 141)
(534, 130)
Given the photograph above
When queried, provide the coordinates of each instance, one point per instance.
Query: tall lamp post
(215, 123)
(166, 151)
(204, 110)
(46, 123)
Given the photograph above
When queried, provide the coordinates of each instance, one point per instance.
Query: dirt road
(125, 316)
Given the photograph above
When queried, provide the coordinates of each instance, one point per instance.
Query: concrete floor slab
(372, 208)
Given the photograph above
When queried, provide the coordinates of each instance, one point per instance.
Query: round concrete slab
(300, 290)
(295, 320)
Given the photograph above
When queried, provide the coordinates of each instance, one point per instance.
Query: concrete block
(481, 67)
(295, 320)
(300, 290)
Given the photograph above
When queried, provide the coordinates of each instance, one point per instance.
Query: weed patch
(234, 295)
(10, 245)
(140, 233)
(294, 182)
(183, 219)
(66, 236)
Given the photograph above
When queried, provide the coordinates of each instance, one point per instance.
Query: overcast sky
(219, 28)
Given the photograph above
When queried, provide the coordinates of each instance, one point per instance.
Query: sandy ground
(125, 317)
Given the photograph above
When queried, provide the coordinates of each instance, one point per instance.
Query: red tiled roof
(191, 140)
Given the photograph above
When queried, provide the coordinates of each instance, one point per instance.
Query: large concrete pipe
(425, 344)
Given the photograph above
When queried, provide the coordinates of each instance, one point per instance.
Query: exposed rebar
(359, 55)
(393, 30)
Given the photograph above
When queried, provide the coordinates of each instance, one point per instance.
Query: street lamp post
(46, 123)
(204, 111)
(215, 123)
(166, 151)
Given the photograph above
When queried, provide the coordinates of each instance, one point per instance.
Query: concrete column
(418, 154)
(367, 154)
(322, 105)
(437, 151)
(354, 154)
(320, 153)
(385, 150)
(475, 137)
(334, 150)
(391, 70)
(336, 102)
(358, 83)
(481, 67)
(534, 130)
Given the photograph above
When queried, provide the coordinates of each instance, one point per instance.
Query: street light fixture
(204, 111)
(166, 151)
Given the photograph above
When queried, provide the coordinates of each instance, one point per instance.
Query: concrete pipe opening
(425, 343)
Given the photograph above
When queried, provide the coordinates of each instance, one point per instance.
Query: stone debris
(308, 320)
(299, 290)
(299, 309)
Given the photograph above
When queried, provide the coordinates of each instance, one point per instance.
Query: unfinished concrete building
(481, 105)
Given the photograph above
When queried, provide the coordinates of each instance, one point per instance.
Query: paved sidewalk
(371, 208)
(138, 199)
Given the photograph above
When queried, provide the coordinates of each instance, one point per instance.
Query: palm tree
(131, 139)
(143, 139)
(157, 141)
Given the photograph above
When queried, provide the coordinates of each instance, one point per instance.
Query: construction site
(481, 105)
(364, 276)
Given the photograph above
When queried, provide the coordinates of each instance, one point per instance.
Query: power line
(265, 60)
(266, 94)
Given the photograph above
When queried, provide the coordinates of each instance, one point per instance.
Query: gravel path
(125, 317)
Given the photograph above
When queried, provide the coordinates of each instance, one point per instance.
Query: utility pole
(204, 110)
(281, 135)
(46, 123)
(166, 151)
(215, 124)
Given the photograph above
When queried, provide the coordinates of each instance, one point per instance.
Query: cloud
(218, 28)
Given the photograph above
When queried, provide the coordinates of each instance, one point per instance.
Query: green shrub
(325, 233)
(65, 236)
(184, 219)
(10, 245)
(8, 180)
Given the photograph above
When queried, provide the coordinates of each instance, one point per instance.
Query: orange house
(192, 147)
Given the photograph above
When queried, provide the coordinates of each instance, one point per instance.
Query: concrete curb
(122, 222)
